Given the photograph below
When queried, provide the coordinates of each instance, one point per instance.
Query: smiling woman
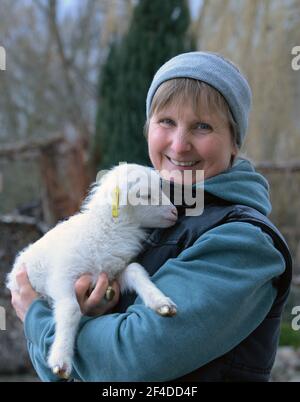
(190, 127)
(187, 135)
(227, 269)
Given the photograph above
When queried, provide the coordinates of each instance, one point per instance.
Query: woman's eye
(203, 126)
(166, 122)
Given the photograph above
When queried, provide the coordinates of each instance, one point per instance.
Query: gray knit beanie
(215, 71)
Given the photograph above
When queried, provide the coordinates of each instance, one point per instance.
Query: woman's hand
(91, 301)
(22, 299)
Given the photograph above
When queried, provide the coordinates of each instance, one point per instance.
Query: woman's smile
(182, 164)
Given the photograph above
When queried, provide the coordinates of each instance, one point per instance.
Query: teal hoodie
(222, 286)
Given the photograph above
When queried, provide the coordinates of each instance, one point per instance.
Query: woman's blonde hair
(202, 95)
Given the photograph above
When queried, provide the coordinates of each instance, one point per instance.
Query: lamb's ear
(101, 176)
(120, 185)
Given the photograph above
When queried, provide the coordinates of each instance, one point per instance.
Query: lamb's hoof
(167, 311)
(109, 294)
(61, 372)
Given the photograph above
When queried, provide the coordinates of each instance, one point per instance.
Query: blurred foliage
(289, 337)
(158, 31)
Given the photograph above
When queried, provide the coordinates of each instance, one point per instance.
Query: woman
(228, 269)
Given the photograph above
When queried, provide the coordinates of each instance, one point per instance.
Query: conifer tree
(158, 31)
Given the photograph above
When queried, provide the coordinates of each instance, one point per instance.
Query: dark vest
(253, 358)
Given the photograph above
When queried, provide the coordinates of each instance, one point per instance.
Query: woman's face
(178, 140)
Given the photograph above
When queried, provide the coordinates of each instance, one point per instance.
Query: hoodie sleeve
(223, 288)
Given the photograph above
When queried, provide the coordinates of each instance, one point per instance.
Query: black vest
(253, 358)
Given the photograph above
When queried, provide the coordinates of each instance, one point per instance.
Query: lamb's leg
(136, 278)
(67, 316)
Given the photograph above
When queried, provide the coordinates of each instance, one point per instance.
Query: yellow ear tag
(115, 202)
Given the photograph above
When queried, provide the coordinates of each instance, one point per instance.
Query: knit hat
(215, 71)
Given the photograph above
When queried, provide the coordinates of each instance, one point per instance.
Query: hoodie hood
(241, 184)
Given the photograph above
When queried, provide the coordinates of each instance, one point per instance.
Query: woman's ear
(234, 153)
(235, 149)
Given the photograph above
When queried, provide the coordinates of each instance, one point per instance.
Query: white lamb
(105, 236)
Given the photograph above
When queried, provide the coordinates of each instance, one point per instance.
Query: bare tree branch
(75, 110)
(270, 167)
(21, 147)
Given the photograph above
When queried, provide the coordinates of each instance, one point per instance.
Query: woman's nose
(180, 142)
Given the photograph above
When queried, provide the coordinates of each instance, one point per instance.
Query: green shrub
(159, 30)
(289, 337)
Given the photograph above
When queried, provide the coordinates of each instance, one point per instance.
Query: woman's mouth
(182, 163)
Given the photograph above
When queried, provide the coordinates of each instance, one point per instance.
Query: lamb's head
(133, 193)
